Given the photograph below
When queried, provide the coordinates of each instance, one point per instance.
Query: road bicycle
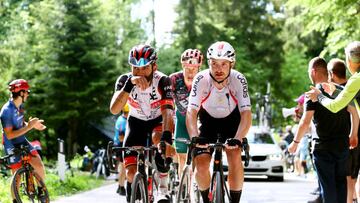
(144, 184)
(185, 189)
(26, 184)
(218, 187)
(173, 181)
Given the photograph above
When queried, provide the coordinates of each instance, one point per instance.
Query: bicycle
(218, 188)
(144, 184)
(173, 180)
(26, 184)
(183, 195)
(101, 166)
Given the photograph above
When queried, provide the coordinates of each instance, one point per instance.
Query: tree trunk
(72, 137)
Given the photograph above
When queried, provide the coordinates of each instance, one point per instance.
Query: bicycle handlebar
(134, 148)
(244, 146)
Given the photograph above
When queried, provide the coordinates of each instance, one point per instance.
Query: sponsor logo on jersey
(244, 85)
(196, 83)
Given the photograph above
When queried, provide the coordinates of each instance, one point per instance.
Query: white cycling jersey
(146, 104)
(219, 103)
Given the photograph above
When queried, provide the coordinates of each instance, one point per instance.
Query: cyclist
(148, 93)
(120, 127)
(15, 127)
(191, 60)
(352, 88)
(220, 97)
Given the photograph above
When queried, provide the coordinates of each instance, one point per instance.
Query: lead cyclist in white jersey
(219, 96)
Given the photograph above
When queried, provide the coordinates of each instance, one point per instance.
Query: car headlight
(275, 157)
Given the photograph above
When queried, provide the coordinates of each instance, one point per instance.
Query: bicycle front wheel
(27, 187)
(217, 193)
(183, 196)
(139, 189)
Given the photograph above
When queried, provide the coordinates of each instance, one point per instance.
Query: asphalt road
(293, 190)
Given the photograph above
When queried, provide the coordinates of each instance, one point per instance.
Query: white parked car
(266, 157)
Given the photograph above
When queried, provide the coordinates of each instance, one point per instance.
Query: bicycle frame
(27, 172)
(218, 174)
(144, 161)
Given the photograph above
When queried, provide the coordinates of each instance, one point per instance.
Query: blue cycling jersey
(120, 127)
(12, 117)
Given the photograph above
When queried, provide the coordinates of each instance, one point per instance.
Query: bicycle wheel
(217, 193)
(139, 189)
(153, 186)
(196, 192)
(183, 195)
(27, 186)
(173, 184)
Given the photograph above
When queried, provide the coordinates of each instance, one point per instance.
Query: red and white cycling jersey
(147, 104)
(219, 103)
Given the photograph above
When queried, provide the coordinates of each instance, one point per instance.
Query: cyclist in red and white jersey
(148, 93)
(219, 96)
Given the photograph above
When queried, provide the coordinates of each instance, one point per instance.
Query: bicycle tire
(217, 192)
(172, 185)
(139, 188)
(27, 189)
(154, 186)
(183, 195)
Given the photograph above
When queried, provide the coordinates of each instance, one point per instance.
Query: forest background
(72, 51)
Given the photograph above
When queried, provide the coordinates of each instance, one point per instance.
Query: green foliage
(169, 60)
(338, 21)
(5, 190)
(71, 185)
(71, 52)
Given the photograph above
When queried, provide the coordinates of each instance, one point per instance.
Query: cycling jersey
(12, 117)
(351, 91)
(145, 114)
(180, 94)
(219, 103)
(147, 104)
(120, 127)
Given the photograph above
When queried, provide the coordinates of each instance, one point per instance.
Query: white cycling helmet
(221, 50)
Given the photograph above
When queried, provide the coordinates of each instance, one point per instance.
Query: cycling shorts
(180, 132)
(211, 127)
(139, 133)
(353, 165)
(15, 161)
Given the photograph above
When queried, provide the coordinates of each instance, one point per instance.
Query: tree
(72, 52)
(338, 21)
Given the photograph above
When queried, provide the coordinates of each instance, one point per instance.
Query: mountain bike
(26, 184)
(144, 184)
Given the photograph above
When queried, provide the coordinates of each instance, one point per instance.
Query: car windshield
(260, 138)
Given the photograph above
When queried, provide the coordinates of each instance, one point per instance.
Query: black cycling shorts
(211, 127)
(353, 164)
(138, 133)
